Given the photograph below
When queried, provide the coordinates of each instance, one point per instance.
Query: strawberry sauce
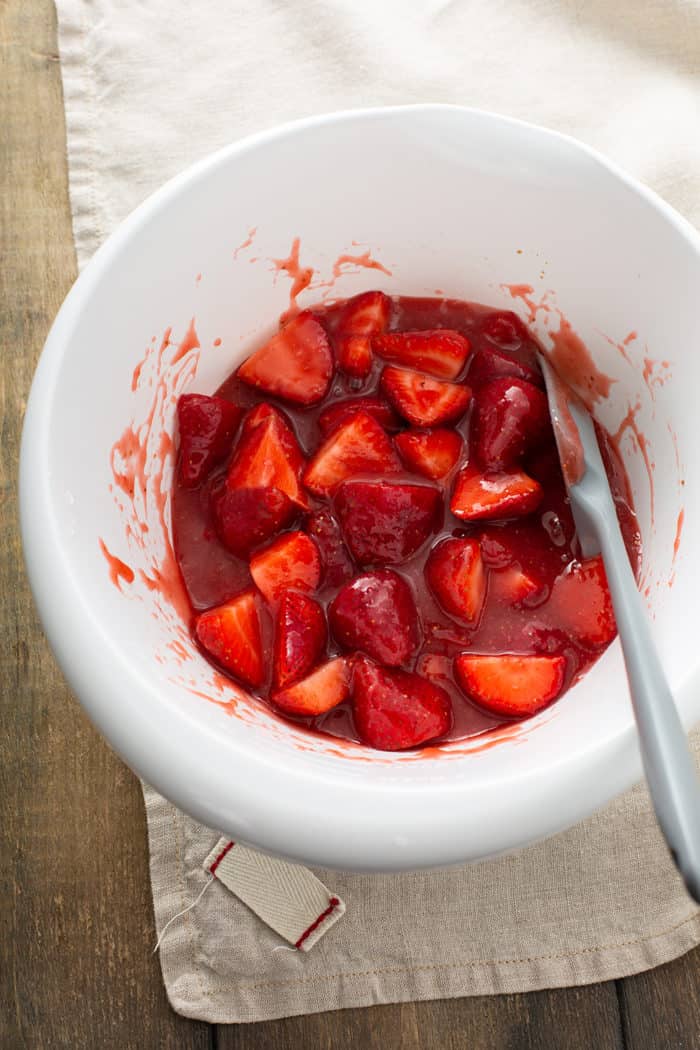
(535, 596)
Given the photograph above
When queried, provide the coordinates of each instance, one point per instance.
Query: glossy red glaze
(539, 546)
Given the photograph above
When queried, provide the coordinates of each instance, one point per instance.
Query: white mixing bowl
(444, 198)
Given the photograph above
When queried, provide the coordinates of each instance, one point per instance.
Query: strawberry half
(383, 521)
(296, 364)
(358, 446)
(510, 418)
(300, 637)
(515, 586)
(245, 518)
(432, 453)
(290, 563)
(482, 497)
(423, 401)
(505, 329)
(267, 456)
(395, 710)
(455, 574)
(364, 316)
(376, 613)
(335, 560)
(581, 603)
(491, 362)
(206, 426)
(324, 688)
(515, 686)
(440, 352)
(231, 633)
(342, 411)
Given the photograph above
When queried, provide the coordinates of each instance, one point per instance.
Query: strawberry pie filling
(372, 526)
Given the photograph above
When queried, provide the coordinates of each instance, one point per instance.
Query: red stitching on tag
(221, 856)
(332, 904)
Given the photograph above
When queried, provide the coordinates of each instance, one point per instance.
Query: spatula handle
(668, 763)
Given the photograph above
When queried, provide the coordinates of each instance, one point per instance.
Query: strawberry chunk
(335, 560)
(267, 455)
(341, 411)
(479, 497)
(455, 574)
(206, 426)
(395, 710)
(324, 688)
(581, 603)
(423, 401)
(296, 364)
(505, 329)
(509, 419)
(491, 363)
(358, 446)
(515, 686)
(300, 637)
(384, 522)
(231, 634)
(376, 613)
(364, 316)
(291, 562)
(432, 453)
(439, 352)
(245, 518)
(515, 586)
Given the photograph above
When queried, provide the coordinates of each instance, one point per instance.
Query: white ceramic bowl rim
(335, 824)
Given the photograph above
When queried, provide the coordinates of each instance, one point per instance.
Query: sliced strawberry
(509, 419)
(384, 522)
(206, 426)
(432, 453)
(342, 411)
(581, 604)
(335, 560)
(377, 614)
(505, 329)
(267, 455)
(515, 686)
(455, 574)
(300, 637)
(245, 518)
(291, 562)
(296, 364)
(358, 446)
(440, 352)
(491, 362)
(231, 634)
(364, 316)
(395, 710)
(496, 552)
(479, 497)
(423, 401)
(515, 586)
(324, 688)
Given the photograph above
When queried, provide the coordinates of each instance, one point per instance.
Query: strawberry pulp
(519, 586)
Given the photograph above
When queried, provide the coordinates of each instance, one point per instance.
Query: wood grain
(661, 1008)
(568, 1019)
(76, 926)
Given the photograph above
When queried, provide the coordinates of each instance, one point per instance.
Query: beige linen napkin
(149, 88)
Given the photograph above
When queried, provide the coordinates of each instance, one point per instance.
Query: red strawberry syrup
(541, 544)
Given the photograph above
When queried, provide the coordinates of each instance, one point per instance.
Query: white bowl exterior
(445, 198)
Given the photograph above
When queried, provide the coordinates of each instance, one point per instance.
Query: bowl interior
(410, 201)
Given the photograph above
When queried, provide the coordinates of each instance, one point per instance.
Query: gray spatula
(668, 763)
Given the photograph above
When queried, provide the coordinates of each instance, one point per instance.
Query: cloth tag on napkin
(287, 897)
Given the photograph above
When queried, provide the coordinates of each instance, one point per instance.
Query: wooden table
(77, 935)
